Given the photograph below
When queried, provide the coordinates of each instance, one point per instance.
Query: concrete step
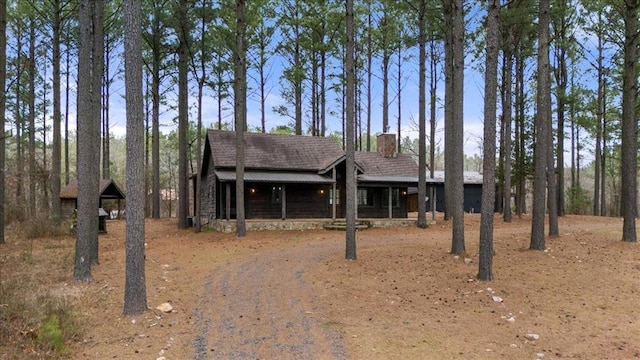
(342, 225)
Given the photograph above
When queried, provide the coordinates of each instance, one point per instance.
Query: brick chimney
(386, 145)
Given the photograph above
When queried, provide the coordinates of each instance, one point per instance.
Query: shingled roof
(274, 151)
(108, 190)
(375, 164)
(375, 167)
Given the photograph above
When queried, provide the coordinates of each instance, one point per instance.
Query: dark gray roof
(376, 165)
(278, 177)
(108, 190)
(274, 151)
(388, 179)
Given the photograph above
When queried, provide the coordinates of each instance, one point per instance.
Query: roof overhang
(388, 179)
(337, 162)
(275, 177)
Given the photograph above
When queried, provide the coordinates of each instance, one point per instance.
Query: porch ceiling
(275, 177)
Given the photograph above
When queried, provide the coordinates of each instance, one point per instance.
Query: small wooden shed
(108, 191)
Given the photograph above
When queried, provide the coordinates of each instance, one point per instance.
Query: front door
(338, 200)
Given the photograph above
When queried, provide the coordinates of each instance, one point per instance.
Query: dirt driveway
(260, 307)
(291, 295)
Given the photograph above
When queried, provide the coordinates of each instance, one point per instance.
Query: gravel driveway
(260, 307)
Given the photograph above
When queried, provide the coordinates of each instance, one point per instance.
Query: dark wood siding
(380, 210)
(303, 201)
(208, 194)
(307, 201)
(68, 206)
(472, 198)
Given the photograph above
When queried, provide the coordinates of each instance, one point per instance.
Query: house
(472, 183)
(302, 177)
(108, 191)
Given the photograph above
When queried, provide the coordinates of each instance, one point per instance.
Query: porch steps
(341, 224)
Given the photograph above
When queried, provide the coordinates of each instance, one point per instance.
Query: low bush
(37, 310)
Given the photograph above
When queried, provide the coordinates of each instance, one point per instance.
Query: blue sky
(472, 110)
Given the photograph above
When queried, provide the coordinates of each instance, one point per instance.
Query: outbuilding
(108, 191)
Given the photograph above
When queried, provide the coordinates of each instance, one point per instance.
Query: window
(331, 196)
(365, 197)
(276, 194)
(395, 197)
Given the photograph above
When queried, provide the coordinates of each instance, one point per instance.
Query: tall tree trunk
(552, 187)
(369, 73)
(399, 95)
(519, 153)
(454, 179)
(201, 81)
(599, 115)
(351, 187)
(386, 59)
(422, 116)
(155, 117)
(240, 107)
(19, 127)
(97, 72)
(572, 115)
(3, 107)
(506, 118)
(323, 93)
(147, 140)
(32, 117)
(43, 172)
(315, 131)
(485, 267)
(106, 140)
(88, 170)
(263, 84)
(448, 104)
(560, 71)
(433, 103)
(67, 75)
(56, 205)
(543, 110)
(603, 162)
(297, 63)
(135, 292)
(183, 115)
(629, 166)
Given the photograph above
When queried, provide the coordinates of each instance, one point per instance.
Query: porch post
(433, 202)
(228, 201)
(333, 194)
(390, 205)
(355, 188)
(284, 201)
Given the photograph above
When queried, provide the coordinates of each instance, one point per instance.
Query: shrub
(42, 227)
(579, 200)
(50, 335)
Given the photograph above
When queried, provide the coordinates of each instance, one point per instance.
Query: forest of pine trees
(295, 82)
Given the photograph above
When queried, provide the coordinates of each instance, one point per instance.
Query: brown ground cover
(291, 295)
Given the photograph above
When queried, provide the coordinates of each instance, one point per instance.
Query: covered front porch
(229, 226)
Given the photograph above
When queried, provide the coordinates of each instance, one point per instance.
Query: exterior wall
(302, 201)
(68, 205)
(220, 195)
(308, 201)
(472, 198)
(378, 210)
(208, 194)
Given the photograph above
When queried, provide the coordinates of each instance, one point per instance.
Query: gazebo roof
(108, 190)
